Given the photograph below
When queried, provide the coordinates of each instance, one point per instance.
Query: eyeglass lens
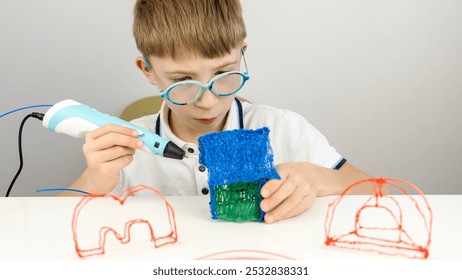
(225, 85)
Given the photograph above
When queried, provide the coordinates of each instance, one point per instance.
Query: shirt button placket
(202, 174)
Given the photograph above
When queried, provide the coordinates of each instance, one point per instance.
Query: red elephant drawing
(97, 216)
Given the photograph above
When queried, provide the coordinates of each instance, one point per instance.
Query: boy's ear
(244, 46)
(141, 64)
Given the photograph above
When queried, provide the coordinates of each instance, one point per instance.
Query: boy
(202, 41)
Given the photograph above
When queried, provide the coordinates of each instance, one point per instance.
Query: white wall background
(381, 79)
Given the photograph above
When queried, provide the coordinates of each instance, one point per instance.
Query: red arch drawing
(124, 238)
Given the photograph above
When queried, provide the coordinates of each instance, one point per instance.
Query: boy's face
(208, 113)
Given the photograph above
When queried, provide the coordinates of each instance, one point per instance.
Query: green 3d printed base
(237, 202)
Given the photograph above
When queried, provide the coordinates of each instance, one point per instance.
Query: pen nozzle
(173, 151)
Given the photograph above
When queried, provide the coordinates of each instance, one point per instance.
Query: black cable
(33, 115)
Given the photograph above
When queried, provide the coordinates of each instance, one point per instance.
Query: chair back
(142, 107)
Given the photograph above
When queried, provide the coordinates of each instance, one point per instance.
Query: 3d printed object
(239, 162)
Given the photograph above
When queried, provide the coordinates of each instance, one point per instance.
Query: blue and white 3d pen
(76, 119)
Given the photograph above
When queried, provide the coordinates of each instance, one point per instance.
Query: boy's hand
(107, 150)
(293, 194)
(301, 183)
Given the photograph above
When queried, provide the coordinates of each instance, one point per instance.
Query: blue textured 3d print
(241, 155)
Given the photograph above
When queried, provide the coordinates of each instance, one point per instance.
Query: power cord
(21, 163)
(25, 108)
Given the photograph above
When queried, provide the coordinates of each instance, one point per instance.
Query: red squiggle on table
(124, 238)
(244, 255)
(394, 236)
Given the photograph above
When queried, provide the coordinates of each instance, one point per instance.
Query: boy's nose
(207, 100)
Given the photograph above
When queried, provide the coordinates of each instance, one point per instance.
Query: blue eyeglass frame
(203, 87)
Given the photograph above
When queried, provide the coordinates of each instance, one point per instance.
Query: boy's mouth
(206, 121)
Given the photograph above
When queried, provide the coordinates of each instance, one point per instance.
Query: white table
(40, 228)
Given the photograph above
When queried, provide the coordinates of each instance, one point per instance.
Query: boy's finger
(274, 184)
(293, 205)
(278, 196)
(111, 128)
(270, 187)
(118, 163)
(111, 154)
(114, 139)
(283, 211)
(305, 204)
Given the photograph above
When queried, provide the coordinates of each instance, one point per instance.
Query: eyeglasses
(189, 91)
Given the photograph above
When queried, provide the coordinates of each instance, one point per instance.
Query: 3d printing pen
(76, 119)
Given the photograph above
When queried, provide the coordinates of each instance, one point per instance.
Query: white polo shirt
(292, 139)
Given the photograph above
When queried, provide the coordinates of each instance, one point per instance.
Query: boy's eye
(180, 79)
(186, 78)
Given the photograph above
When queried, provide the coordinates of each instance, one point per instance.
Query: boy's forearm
(333, 182)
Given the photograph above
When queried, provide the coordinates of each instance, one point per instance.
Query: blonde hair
(210, 28)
